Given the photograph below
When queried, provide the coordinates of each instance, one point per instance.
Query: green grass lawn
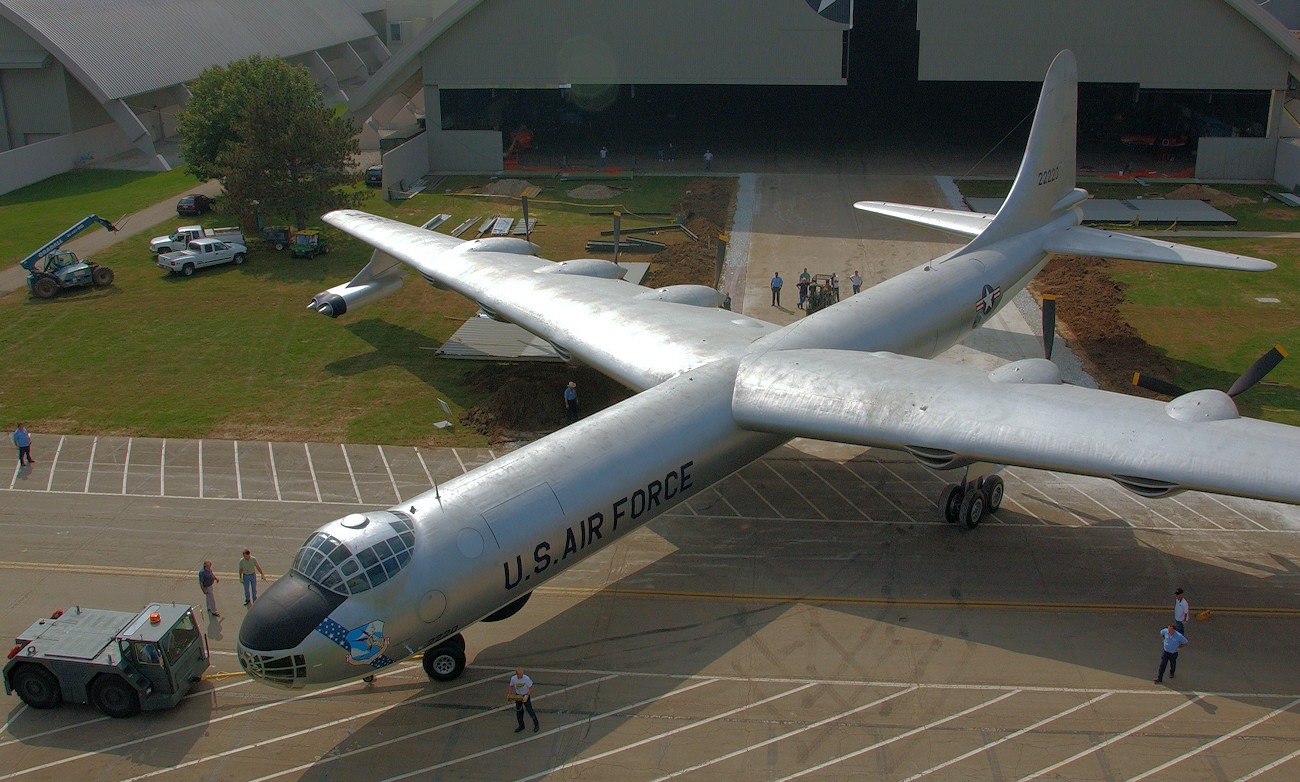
(33, 215)
(232, 352)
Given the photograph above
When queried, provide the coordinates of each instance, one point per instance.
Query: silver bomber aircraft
(718, 390)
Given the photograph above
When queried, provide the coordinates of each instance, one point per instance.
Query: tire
(113, 696)
(239, 258)
(444, 662)
(950, 503)
(45, 288)
(994, 489)
(36, 686)
(102, 276)
(972, 509)
(187, 269)
(279, 246)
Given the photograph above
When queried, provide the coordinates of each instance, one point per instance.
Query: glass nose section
(285, 614)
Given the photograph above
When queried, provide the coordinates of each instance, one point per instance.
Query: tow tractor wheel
(114, 697)
(950, 502)
(37, 687)
(44, 288)
(445, 661)
(994, 489)
(972, 508)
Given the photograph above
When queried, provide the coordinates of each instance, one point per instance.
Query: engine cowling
(337, 300)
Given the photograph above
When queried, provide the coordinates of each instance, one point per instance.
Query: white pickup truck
(200, 253)
(188, 233)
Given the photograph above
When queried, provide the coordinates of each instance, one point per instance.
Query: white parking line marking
(174, 731)
(1216, 742)
(311, 468)
(899, 737)
(200, 468)
(275, 478)
(1073, 486)
(1265, 769)
(787, 734)
(239, 484)
(162, 470)
(1016, 734)
(57, 452)
(1231, 509)
(389, 470)
(459, 461)
(126, 468)
(1178, 501)
(582, 724)
(662, 736)
(875, 490)
(800, 494)
(757, 493)
(1117, 737)
(352, 475)
(425, 467)
(90, 466)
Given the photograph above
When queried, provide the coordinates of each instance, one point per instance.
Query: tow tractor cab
(350, 606)
(121, 662)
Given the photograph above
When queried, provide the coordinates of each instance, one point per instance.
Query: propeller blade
(1262, 366)
(1157, 385)
(1049, 325)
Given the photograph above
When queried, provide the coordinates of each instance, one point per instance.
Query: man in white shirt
(1180, 610)
(520, 690)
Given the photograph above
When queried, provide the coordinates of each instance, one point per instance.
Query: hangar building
(442, 85)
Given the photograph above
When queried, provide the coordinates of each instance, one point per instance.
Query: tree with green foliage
(260, 126)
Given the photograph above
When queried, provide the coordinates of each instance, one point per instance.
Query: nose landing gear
(969, 501)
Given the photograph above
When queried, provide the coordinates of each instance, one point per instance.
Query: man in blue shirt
(1172, 642)
(571, 401)
(776, 289)
(24, 442)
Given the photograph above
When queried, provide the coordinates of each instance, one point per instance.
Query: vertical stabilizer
(1044, 187)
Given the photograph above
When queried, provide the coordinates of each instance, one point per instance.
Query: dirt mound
(526, 400)
(510, 187)
(594, 192)
(1087, 309)
(1193, 192)
(706, 205)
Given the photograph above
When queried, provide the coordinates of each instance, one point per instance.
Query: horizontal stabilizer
(1078, 240)
(1020, 414)
(952, 220)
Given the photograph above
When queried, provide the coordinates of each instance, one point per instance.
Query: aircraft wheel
(444, 662)
(37, 687)
(44, 288)
(972, 509)
(994, 489)
(114, 697)
(102, 276)
(950, 503)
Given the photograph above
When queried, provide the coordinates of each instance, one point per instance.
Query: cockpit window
(376, 549)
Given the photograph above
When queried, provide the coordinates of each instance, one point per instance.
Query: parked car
(200, 253)
(193, 205)
(375, 176)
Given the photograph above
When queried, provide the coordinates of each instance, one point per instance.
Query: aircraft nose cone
(285, 614)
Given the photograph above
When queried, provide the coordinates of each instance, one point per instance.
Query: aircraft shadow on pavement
(1016, 602)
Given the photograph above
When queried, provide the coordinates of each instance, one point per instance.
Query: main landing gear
(445, 661)
(969, 501)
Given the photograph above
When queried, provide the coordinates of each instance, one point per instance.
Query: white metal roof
(118, 48)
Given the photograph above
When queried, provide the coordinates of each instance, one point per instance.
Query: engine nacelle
(694, 295)
(336, 301)
(586, 267)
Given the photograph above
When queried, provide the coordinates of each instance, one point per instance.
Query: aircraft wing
(1019, 414)
(1080, 240)
(639, 336)
(957, 221)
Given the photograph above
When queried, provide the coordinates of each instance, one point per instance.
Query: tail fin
(1044, 187)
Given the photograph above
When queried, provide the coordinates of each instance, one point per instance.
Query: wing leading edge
(1020, 414)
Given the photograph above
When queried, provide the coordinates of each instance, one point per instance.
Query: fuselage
(478, 544)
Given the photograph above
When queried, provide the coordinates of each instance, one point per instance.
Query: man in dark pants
(520, 690)
(776, 289)
(571, 401)
(1173, 641)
